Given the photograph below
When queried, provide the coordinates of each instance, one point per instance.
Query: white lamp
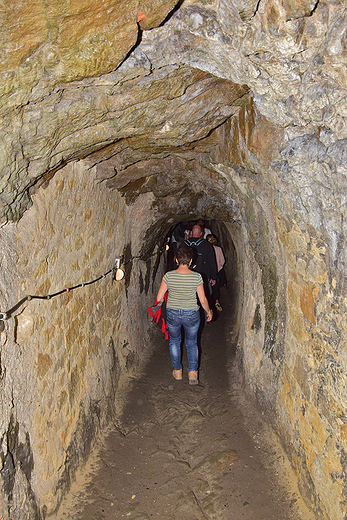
(119, 275)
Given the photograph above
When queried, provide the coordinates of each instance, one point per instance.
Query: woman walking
(182, 310)
(221, 280)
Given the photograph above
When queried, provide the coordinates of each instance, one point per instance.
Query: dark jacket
(206, 259)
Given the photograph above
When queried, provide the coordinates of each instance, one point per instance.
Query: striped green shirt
(182, 290)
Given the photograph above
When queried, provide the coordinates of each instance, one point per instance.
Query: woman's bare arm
(162, 291)
(204, 302)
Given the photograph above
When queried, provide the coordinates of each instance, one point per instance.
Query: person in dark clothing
(205, 259)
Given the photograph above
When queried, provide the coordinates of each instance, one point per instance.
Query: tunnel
(120, 120)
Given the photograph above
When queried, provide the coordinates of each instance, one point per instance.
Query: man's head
(197, 231)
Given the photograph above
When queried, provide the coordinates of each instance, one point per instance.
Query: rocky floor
(180, 452)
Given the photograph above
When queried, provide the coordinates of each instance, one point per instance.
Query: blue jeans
(190, 320)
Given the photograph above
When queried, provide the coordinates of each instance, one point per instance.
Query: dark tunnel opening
(225, 321)
(230, 283)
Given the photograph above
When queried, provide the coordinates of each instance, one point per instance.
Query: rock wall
(44, 42)
(292, 334)
(235, 111)
(65, 359)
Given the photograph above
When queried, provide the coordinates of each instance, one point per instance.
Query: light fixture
(119, 273)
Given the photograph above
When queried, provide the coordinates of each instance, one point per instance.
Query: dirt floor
(181, 452)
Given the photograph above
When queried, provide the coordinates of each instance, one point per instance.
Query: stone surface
(186, 453)
(274, 54)
(67, 352)
(47, 42)
(235, 112)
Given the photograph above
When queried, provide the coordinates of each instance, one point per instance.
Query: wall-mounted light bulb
(119, 274)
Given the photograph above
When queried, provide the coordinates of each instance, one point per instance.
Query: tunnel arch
(236, 113)
(83, 218)
(199, 187)
(78, 225)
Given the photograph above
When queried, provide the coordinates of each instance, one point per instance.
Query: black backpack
(197, 261)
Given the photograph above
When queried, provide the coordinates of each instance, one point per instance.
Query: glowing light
(119, 274)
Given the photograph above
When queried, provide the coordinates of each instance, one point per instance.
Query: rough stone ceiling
(184, 79)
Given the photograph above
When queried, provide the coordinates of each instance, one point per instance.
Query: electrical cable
(6, 315)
